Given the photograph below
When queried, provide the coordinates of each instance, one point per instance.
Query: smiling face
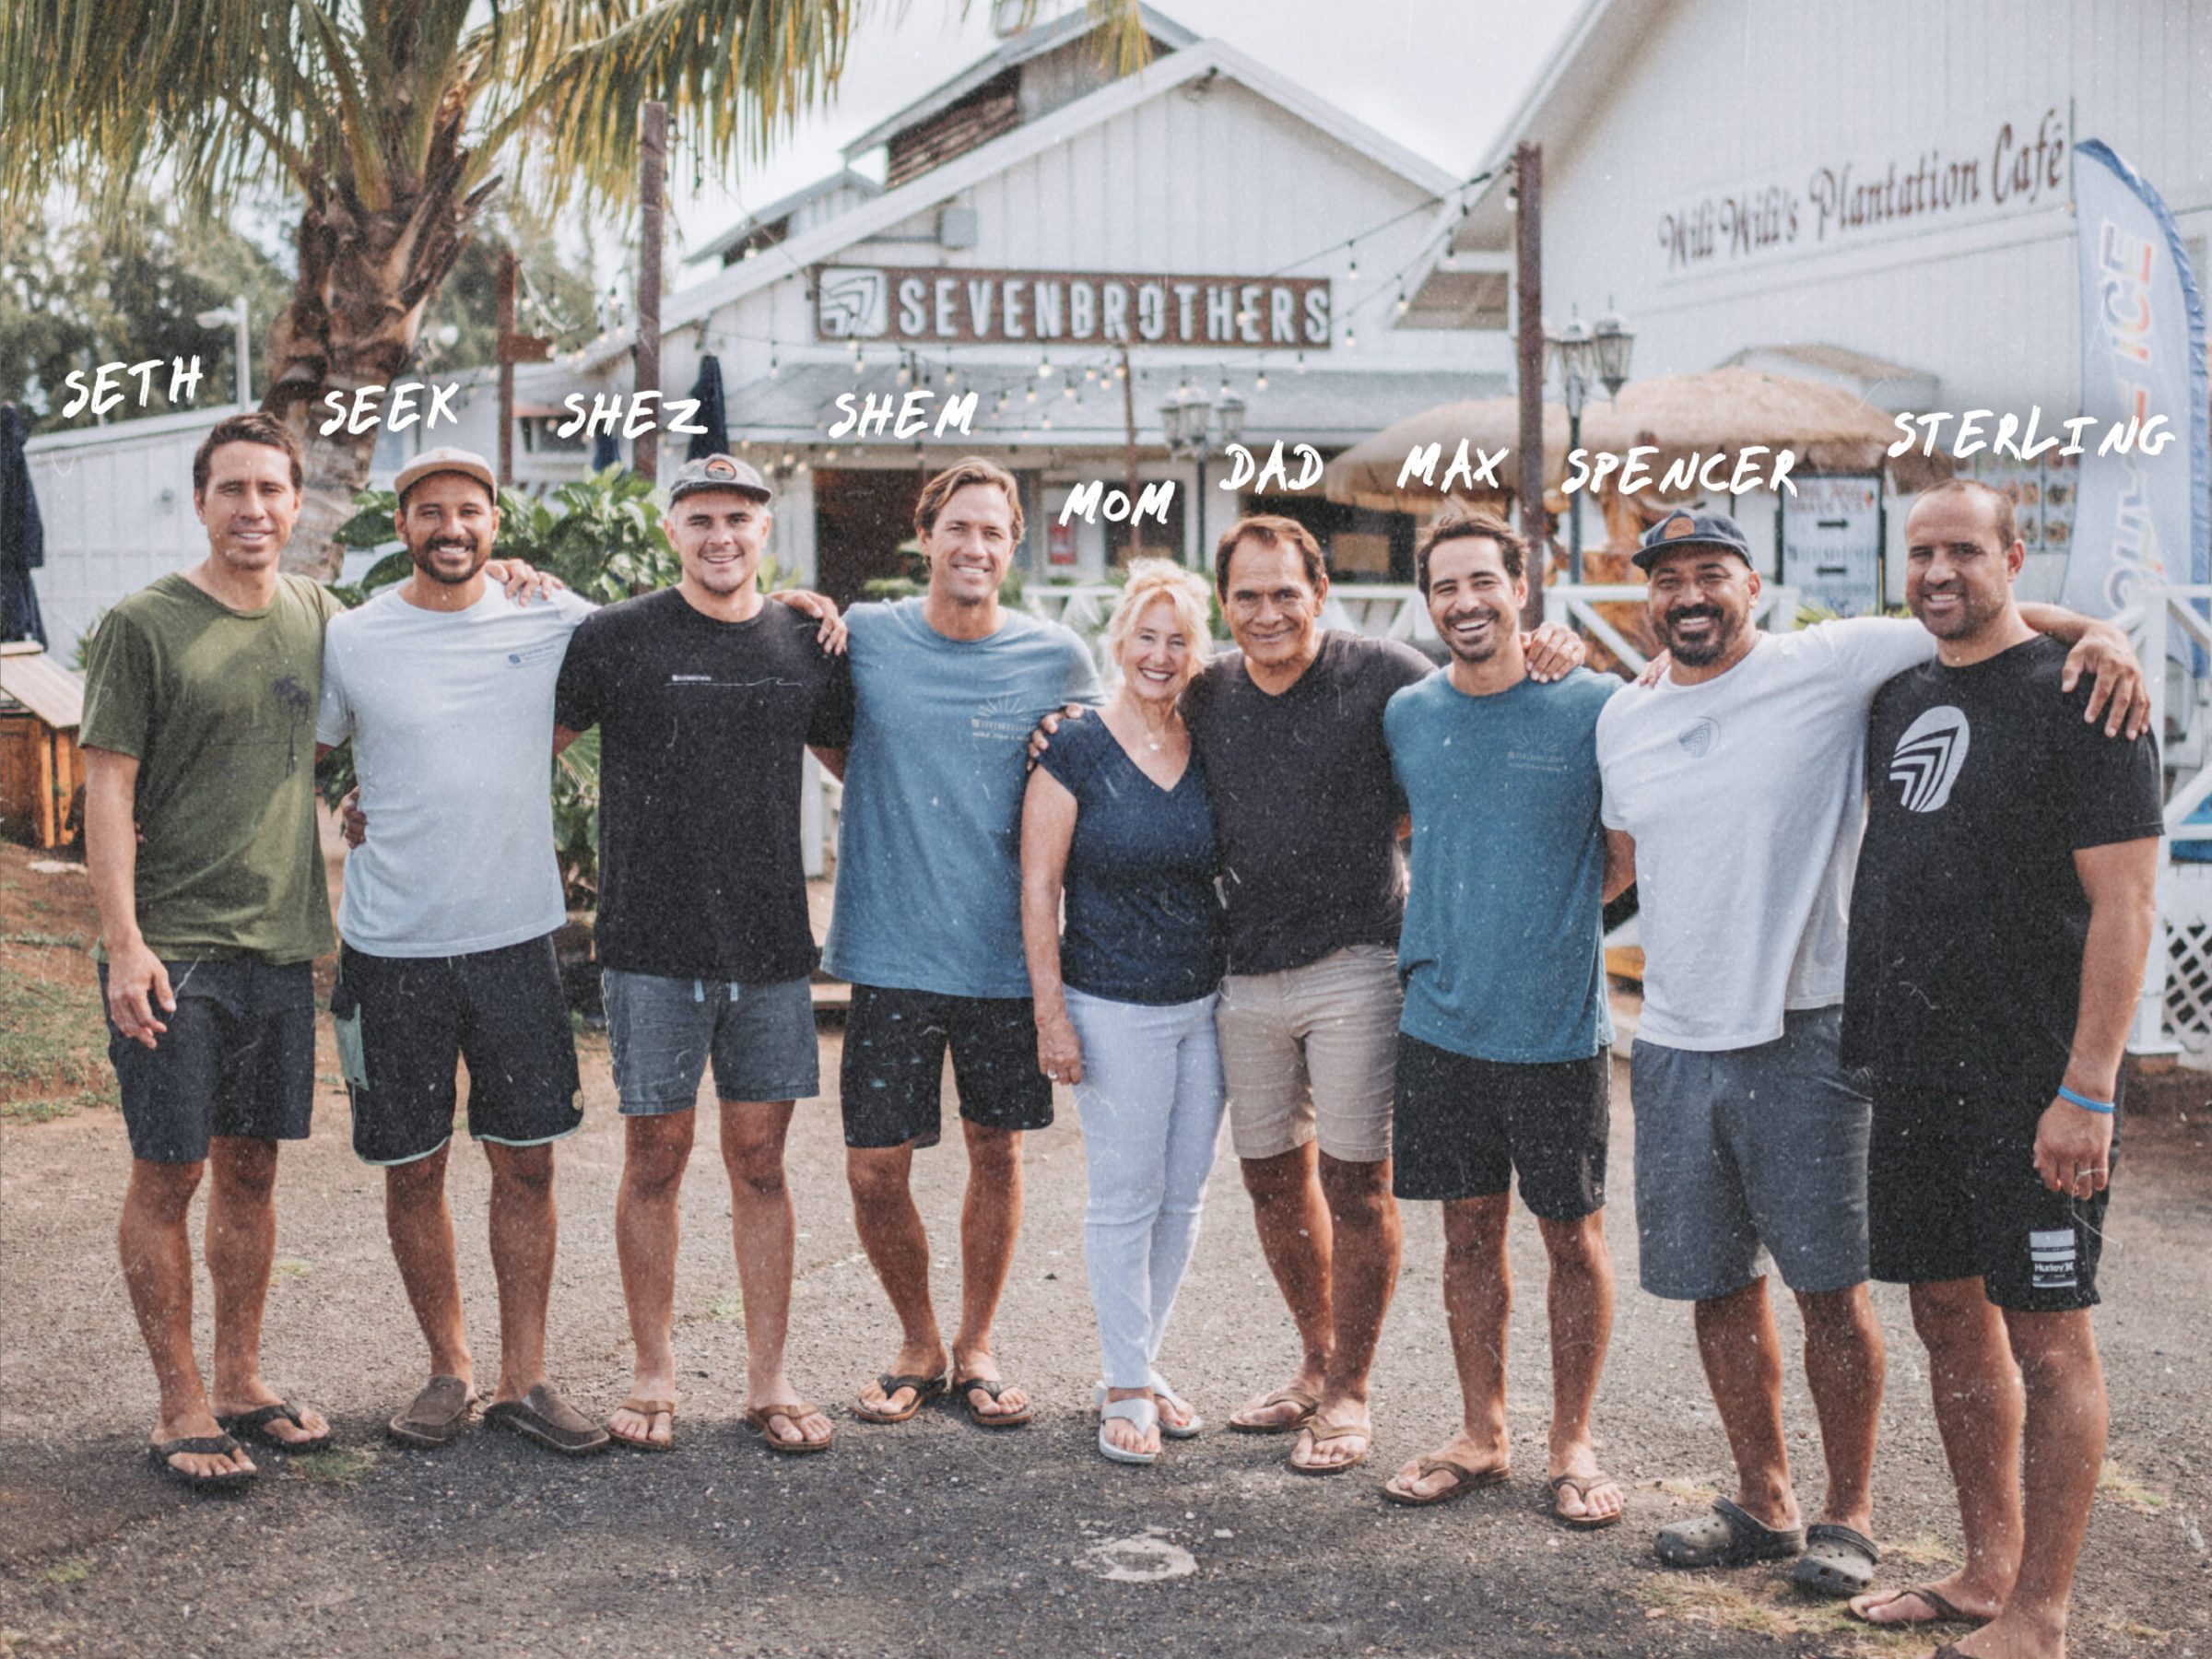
(971, 546)
(719, 534)
(1474, 604)
(1155, 658)
(249, 506)
(1959, 570)
(447, 524)
(1700, 599)
(1274, 609)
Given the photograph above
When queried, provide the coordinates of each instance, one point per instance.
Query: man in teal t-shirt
(927, 923)
(1504, 1059)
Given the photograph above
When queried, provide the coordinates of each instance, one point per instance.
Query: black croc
(1838, 1561)
(1729, 1536)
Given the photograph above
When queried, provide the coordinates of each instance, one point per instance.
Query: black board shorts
(1461, 1127)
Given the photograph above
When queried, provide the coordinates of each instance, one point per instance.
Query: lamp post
(233, 315)
(1192, 422)
(1587, 356)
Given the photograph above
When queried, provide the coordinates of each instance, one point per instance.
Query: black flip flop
(255, 1426)
(203, 1445)
(994, 1386)
(925, 1390)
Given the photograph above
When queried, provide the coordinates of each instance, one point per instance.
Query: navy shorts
(891, 1084)
(666, 1032)
(405, 1023)
(1952, 1193)
(1463, 1127)
(239, 1058)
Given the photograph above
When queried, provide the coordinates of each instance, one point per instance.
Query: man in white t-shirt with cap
(1735, 784)
(444, 687)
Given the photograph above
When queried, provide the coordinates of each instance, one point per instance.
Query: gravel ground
(934, 1537)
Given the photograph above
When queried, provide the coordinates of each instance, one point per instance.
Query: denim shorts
(664, 1032)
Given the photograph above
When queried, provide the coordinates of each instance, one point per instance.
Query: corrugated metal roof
(55, 694)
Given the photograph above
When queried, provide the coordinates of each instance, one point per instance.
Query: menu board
(1832, 543)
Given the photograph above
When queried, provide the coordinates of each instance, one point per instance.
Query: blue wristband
(2084, 1102)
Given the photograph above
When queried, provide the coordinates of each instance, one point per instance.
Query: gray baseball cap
(718, 471)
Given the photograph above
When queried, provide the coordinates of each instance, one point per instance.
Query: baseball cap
(1682, 528)
(718, 471)
(446, 460)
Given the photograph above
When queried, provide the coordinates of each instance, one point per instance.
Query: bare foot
(1464, 1450)
(977, 1365)
(2006, 1637)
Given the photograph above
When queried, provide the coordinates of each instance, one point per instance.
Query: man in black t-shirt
(1999, 923)
(1307, 817)
(706, 697)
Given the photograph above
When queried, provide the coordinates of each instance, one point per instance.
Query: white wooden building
(1873, 192)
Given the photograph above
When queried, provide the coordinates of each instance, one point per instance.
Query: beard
(1481, 651)
(424, 555)
(1710, 649)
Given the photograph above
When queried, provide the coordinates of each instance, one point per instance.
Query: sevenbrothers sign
(2017, 166)
(932, 305)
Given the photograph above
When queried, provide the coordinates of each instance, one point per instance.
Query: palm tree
(391, 121)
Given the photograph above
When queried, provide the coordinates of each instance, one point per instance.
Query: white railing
(2174, 1001)
(1083, 606)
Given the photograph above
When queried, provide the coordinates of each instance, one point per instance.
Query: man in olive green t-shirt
(199, 739)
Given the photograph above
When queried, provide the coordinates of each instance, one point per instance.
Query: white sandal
(1190, 1425)
(1142, 1413)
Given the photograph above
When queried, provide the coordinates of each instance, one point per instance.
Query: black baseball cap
(1682, 528)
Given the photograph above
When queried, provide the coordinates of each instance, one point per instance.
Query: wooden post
(1528, 284)
(653, 164)
(506, 367)
(1137, 536)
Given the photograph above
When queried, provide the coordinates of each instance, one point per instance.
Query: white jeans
(1150, 1100)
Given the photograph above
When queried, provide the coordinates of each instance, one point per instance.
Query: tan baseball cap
(718, 471)
(463, 460)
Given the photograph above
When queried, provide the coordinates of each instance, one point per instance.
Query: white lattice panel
(2188, 910)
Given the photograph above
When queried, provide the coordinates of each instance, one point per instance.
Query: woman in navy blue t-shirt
(1117, 820)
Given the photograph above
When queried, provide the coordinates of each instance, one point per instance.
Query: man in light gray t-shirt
(1733, 787)
(445, 690)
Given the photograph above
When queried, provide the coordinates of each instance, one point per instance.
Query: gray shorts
(666, 1031)
(1743, 1147)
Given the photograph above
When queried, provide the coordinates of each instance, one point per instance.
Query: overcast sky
(1440, 76)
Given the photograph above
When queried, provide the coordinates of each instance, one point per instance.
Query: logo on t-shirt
(1928, 759)
(1699, 738)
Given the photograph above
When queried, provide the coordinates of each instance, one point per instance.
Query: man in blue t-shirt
(928, 922)
(1504, 1059)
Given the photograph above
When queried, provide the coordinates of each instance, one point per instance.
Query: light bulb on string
(1030, 395)
(1401, 302)
(775, 367)
(1044, 368)
(1353, 275)
(1351, 337)
(1260, 384)
(1301, 362)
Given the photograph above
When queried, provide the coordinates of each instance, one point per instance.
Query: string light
(1044, 368)
(1401, 302)
(1261, 383)
(1353, 275)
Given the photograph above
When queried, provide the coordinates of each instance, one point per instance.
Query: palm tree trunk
(365, 276)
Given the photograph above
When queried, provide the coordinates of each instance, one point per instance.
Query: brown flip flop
(434, 1416)
(647, 1409)
(1579, 1484)
(759, 1416)
(1324, 1432)
(1470, 1480)
(991, 1386)
(1307, 1405)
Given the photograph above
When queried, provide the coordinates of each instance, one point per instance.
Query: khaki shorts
(1312, 1053)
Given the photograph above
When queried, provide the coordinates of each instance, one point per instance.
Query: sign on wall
(1916, 183)
(1832, 543)
(931, 305)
